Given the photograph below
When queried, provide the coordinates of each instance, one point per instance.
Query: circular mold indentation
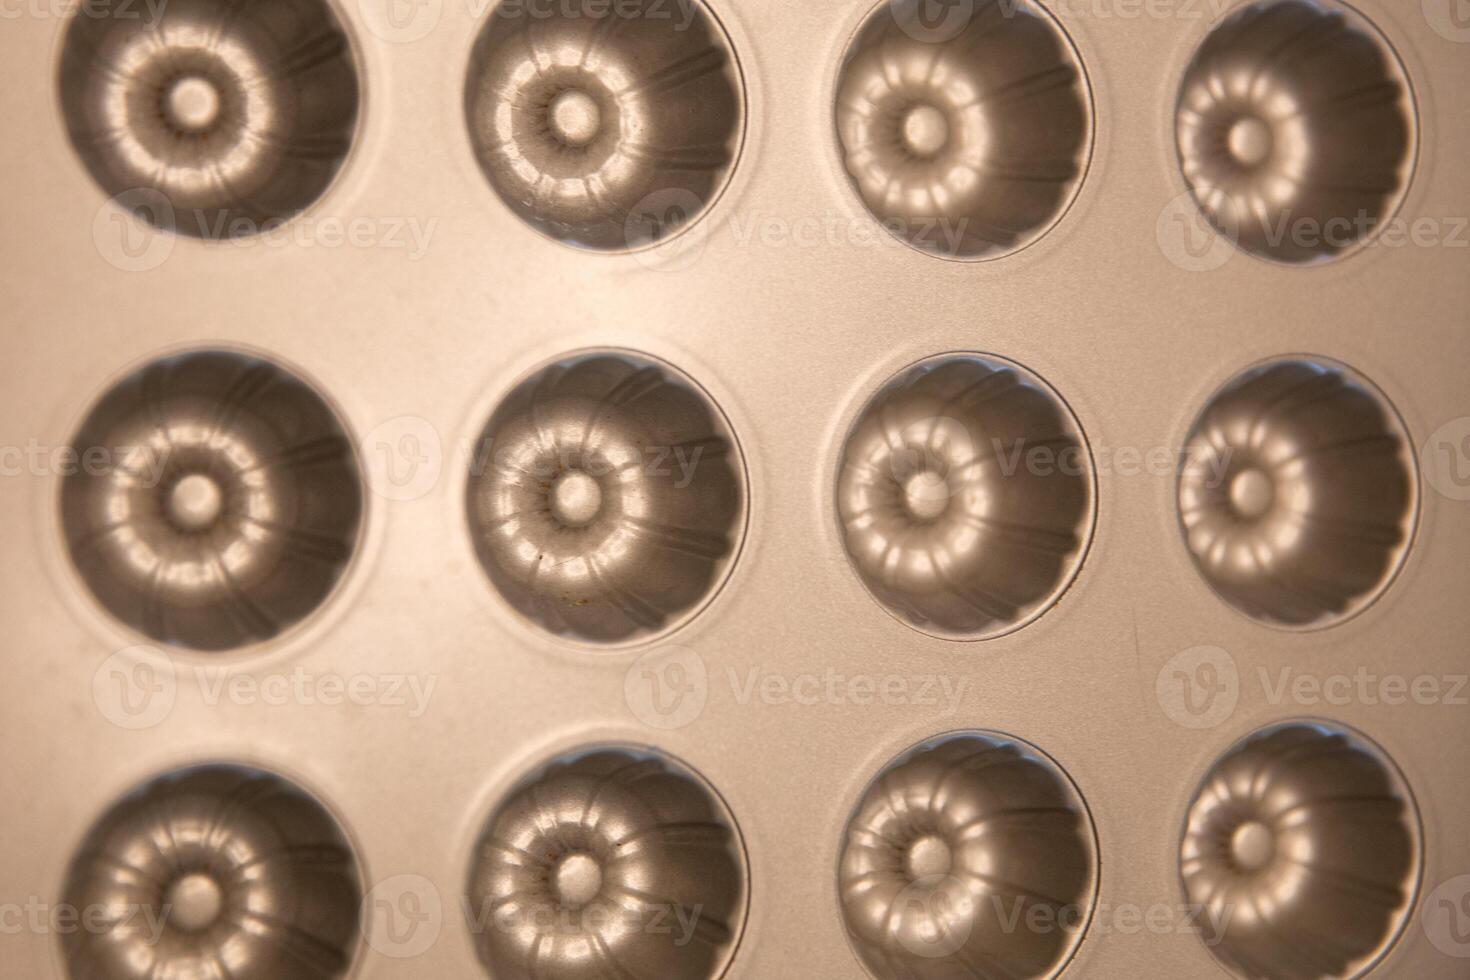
(216, 500)
(1297, 497)
(214, 871)
(1302, 849)
(608, 497)
(965, 496)
(952, 845)
(240, 115)
(967, 142)
(606, 126)
(582, 870)
(1295, 129)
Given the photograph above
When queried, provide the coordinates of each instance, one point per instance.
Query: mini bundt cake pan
(626, 373)
(1296, 129)
(1305, 841)
(238, 114)
(1298, 494)
(967, 142)
(215, 872)
(953, 844)
(965, 496)
(609, 863)
(225, 506)
(607, 497)
(605, 126)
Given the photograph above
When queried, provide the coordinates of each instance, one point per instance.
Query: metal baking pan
(678, 489)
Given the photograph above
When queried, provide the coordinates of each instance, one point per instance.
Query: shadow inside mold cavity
(605, 126)
(210, 118)
(215, 503)
(606, 498)
(1295, 129)
(965, 496)
(1280, 823)
(617, 849)
(1297, 496)
(970, 849)
(969, 137)
(214, 868)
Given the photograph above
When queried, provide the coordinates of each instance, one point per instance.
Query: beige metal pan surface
(669, 489)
